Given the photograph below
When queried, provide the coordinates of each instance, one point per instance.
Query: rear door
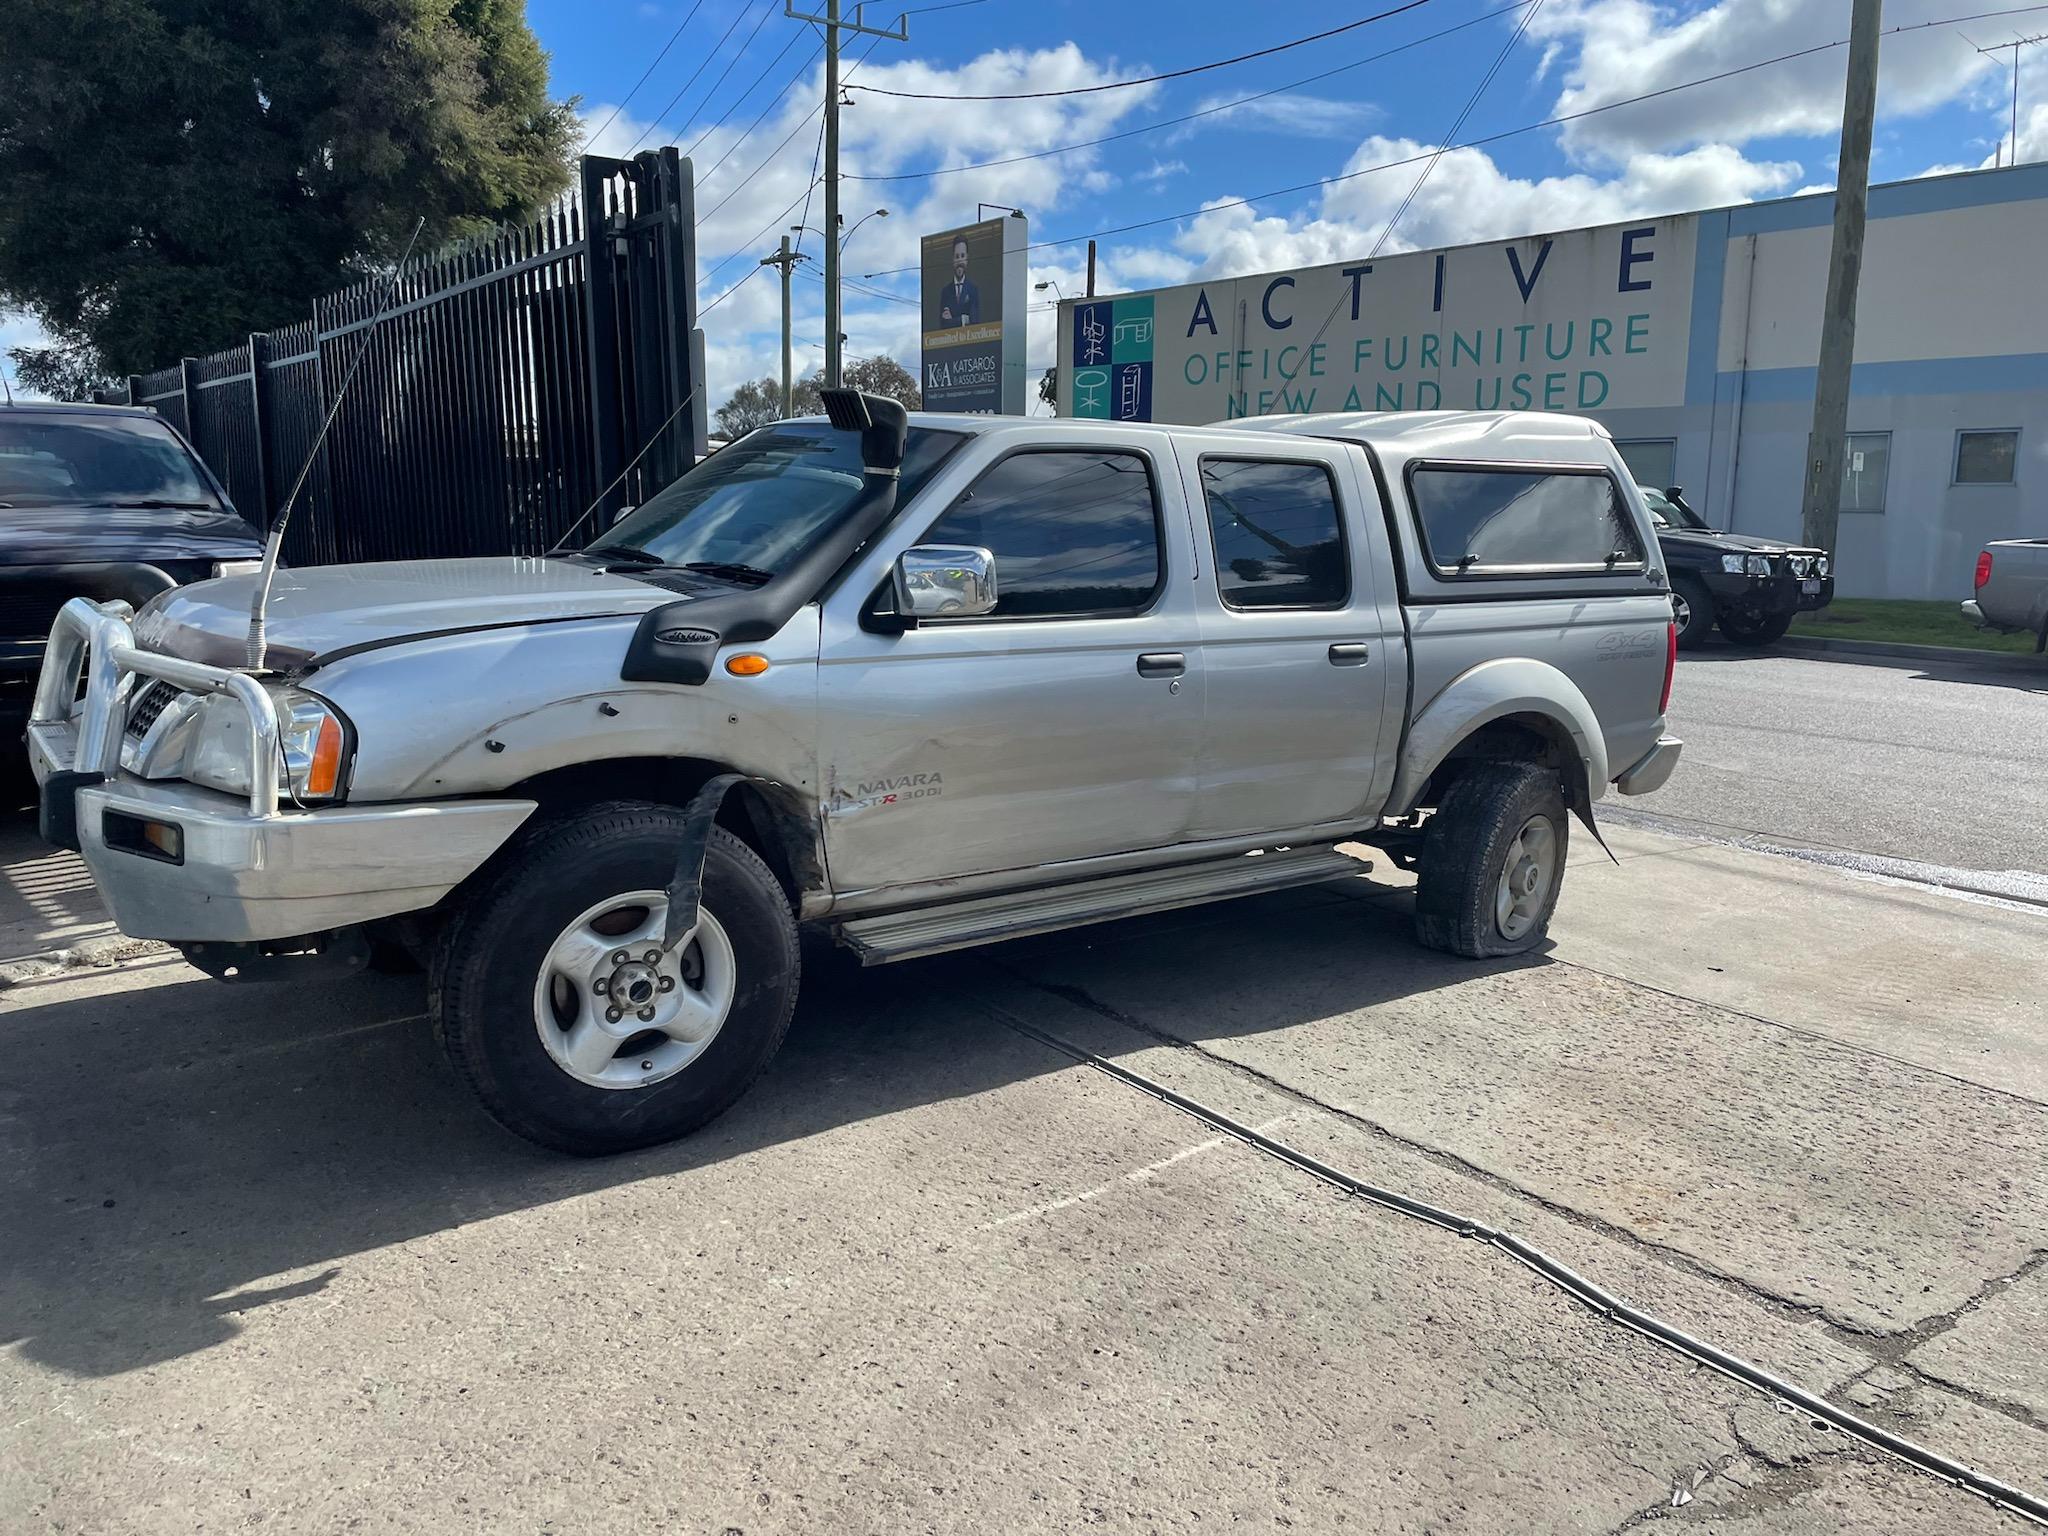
(1065, 724)
(1299, 634)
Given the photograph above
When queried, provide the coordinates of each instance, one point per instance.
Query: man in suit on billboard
(961, 303)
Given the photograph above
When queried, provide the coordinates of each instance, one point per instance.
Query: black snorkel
(677, 642)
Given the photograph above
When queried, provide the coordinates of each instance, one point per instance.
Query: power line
(1457, 127)
(643, 77)
(1486, 139)
(1171, 74)
(788, 85)
(729, 258)
(743, 95)
(731, 64)
(679, 95)
(1189, 117)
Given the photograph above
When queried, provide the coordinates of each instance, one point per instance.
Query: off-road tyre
(1698, 622)
(1753, 629)
(1464, 851)
(488, 957)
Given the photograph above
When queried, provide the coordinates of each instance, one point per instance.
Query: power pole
(787, 260)
(2012, 154)
(833, 26)
(1821, 509)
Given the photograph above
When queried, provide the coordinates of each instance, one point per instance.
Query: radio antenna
(260, 603)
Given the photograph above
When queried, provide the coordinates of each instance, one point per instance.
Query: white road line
(1135, 1176)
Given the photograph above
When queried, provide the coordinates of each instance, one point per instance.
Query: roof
(72, 407)
(1406, 434)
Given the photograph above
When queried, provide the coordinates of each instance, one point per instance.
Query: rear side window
(1075, 533)
(1278, 540)
(1475, 520)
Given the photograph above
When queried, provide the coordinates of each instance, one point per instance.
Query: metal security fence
(509, 381)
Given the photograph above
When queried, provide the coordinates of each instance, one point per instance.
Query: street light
(879, 213)
(1015, 213)
(1054, 286)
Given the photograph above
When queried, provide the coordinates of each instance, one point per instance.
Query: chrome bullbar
(97, 637)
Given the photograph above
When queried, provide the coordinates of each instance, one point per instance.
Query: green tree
(877, 375)
(754, 404)
(177, 173)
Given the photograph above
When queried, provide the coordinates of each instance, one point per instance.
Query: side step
(1017, 914)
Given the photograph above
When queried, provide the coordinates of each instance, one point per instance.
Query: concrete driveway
(264, 1266)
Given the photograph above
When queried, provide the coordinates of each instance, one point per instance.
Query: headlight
(1757, 565)
(312, 740)
(237, 567)
(1822, 565)
(1800, 564)
(1732, 564)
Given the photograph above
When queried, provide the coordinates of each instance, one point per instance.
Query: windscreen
(111, 461)
(765, 499)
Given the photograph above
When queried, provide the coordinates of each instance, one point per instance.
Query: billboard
(971, 289)
(1579, 321)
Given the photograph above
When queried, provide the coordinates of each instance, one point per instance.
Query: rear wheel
(1750, 626)
(1493, 861)
(1692, 607)
(559, 1008)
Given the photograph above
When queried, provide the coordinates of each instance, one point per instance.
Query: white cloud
(1625, 48)
(1290, 112)
(1467, 197)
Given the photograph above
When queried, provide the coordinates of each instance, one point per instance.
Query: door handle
(1162, 664)
(1353, 653)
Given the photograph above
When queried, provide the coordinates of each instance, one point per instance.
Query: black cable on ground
(2000, 1495)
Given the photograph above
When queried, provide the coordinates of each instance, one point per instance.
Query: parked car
(924, 682)
(2012, 589)
(105, 502)
(1750, 588)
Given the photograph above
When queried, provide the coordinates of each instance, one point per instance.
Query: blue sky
(1764, 133)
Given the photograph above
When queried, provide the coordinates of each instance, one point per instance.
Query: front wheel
(1493, 861)
(1749, 626)
(1692, 609)
(561, 1011)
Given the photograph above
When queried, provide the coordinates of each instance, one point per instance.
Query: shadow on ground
(170, 1146)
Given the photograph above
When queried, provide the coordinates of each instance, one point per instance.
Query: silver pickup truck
(923, 682)
(2012, 589)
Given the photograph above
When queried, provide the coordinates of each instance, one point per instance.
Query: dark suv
(1752, 588)
(103, 502)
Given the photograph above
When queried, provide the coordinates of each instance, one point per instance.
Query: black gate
(510, 381)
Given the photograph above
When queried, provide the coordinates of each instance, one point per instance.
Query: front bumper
(1653, 769)
(1770, 594)
(248, 872)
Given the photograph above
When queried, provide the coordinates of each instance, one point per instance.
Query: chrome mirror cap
(945, 581)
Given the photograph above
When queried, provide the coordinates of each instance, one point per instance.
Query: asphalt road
(1946, 766)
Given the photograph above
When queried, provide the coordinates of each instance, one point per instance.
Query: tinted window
(1072, 532)
(95, 460)
(1476, 518)
(1650, 460)
(1278, 543)
(1986, 458)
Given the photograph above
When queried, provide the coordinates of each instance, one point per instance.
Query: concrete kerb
(1827, 647)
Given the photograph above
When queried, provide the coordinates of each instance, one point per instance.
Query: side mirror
(622, 514)
(945, 581)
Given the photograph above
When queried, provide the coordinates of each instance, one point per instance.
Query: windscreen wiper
(160, 504)
(744, 575)
(628, 554)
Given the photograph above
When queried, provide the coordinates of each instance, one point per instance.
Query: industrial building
(1692, 337)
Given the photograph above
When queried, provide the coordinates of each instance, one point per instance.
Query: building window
(1986, 458)
(1478, 521)
(1075, 533)
(1278, 541)
(1866, 464)
(1651, 461)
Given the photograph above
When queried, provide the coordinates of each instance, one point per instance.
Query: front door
(1063, 725)
(1298, 637)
